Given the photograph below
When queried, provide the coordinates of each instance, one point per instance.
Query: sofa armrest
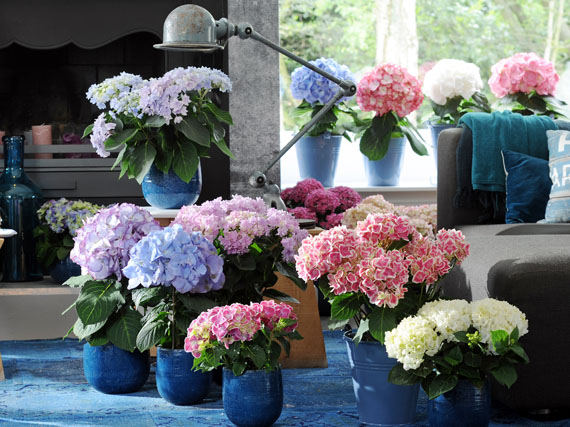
(449, 216)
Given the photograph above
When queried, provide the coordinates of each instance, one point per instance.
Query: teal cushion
(528, 186)
(558, 207)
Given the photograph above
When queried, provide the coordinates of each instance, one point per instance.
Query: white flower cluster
(490, 315)
(450, 78)
(414, 338)
(422, 335)
(119, 91)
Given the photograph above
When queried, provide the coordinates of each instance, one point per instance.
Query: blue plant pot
(63, 269)
(111, 370)
(379, 401)
(435, 129)
(168, 191)
(317, 157)
(386, 171)
(464, 406)
(254, 399)
(176, 382)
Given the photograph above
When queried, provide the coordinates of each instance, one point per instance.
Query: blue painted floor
(45, 386)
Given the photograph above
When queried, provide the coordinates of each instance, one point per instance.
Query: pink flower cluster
(236, 223)
(236, 322)
(389, 87)
(308, 199)
(523, 72)
(363, 259)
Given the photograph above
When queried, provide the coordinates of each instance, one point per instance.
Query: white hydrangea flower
(449, 316)
(411, 340)
(490, 315)
(450, 78)
(370, 205)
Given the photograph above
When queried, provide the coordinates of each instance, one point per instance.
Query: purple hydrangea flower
(314, 88)
(120, 92)
(101, 132)
(65, 216)
(102, 245)
(172, 257)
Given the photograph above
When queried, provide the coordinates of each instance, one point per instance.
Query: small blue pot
(168, 191)
(379, 401)
(386, 171)
(176, 382)
(464, 406)
(254, 399)
(317, 157)
(111, 370)
(435, 129)
(63, 269)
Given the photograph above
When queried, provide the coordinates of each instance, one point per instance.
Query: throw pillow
(528, 186)
(558, 207)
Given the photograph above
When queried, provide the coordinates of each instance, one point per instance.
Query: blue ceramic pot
(317, 157)
(254, 399)
(63, 269)
(176, 382)
(379, 401)
(168, 191)
(386, 171)
(111, 370)
(435, 129)
(464, 406)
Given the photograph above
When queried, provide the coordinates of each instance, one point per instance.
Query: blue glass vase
(168, 191)
(20, 199)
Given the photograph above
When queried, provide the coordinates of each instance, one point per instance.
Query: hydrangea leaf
(505, 374)
(280, 296)
(381, 320)
(124, 328)
(376, 139)
(97, 300)
(196, 303)
(78, 281)
(345, 306)
(220, 114)
(399, 376)
(150, 334)
(440, 384)
(82, 331)
(185, 160)
(141, 159)
(192, 129)
(120, 138)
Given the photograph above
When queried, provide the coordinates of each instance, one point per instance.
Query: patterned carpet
(45, 386)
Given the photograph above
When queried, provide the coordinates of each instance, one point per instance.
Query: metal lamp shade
(189, 27)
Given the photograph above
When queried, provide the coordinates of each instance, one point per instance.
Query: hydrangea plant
(242, 337)
(379, 272)
(315, 91)
(449, 340)
(453, 87)
(391, 93)
(526, 83)
(105, 308)
(169, 121)
(59, 221)
(171, 272)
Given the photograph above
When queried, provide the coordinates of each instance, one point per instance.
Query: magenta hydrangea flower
(348, 197)
(322, 202)
(295, 196)
(102, 245)
(302, 213)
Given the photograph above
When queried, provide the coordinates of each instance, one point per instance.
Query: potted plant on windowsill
(107, 316)
(163, 126)
(318, 150)
(374, 276)
(392, 93)
(246, 340)
(453, 348)
(59, 220)
(177, 272)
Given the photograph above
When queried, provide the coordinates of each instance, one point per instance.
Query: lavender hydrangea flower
(102, 245)
(101, 132)
(120, 92)
(172, 257)
(314, 88)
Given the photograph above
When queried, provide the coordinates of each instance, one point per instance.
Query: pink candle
(41, 135)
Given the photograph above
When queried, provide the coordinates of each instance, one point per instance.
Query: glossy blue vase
(168, 191)
(464, 406)
(254, 399)
(112, 370)
(386, 171)
(379, 401)
(176, 382)
(63, 269)
(317, 157)
(435, 130)
(20, 199)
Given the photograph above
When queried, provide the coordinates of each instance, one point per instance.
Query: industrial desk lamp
(193, 28)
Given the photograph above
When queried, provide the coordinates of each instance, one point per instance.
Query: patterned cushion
(558, 207)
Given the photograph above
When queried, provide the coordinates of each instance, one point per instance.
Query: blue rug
(45, 386)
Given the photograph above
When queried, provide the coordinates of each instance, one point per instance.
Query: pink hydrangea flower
(303, 213)
(331, 220)
(523, 72)
(347, 196)
(295, 196)
(389, 87)
(322, 201)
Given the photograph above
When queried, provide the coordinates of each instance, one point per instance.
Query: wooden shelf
(37, 288)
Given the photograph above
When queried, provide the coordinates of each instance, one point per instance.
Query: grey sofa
(527, 265)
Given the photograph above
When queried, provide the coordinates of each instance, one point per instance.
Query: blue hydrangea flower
(314, 88)
(172, 257)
